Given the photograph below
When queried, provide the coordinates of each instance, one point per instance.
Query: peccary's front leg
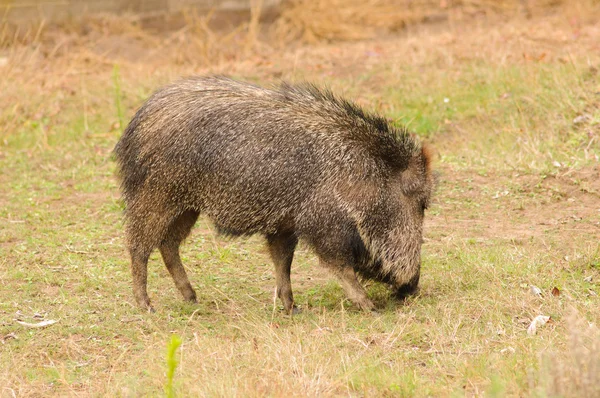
(352, 287)
(148, 223)
(282, 248)
(339, 247)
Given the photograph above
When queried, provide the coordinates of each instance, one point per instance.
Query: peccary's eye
(424, 206)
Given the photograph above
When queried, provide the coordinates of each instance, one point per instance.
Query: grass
(517, 205)
(174, 344)
(118, 105)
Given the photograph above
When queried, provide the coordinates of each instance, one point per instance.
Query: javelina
(290, 163)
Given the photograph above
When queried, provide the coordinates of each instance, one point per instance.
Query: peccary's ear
(427, 155)
(418, 172)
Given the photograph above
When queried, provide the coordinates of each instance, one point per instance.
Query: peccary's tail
(131, 170)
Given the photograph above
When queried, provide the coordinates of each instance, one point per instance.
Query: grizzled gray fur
(290, 163)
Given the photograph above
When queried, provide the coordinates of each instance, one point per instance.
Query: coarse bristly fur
(293, 162)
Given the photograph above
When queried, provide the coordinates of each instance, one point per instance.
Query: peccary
(293, 162)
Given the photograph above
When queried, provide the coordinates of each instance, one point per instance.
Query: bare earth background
(506, 92)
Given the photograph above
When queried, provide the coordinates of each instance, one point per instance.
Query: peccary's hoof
(366, 305)
(144, 305)
(148, 309)
(189, 295)
(293, 311)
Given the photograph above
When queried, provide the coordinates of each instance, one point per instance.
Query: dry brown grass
(331, 20)
(313, 21)
(576, 373)
(189, 38)
(199, 40)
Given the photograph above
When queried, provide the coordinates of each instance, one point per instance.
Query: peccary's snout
(406, 269)
(411, 287)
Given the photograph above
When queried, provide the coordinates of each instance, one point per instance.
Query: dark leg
(169, 249)
(139, 272)
(282, 248)
(145, 230)
(341, 250)
(352, 287)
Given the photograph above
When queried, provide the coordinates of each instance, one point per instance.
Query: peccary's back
(249, 157)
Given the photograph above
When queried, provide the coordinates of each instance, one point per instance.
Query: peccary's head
(389, 212)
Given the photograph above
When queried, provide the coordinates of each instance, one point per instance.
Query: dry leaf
(539, 320)
(535, 290)
(9, 336)
(322, 331)
(42, 324)
(555, 291)
(581, 119)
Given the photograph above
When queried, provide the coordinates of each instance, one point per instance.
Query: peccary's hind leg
(139, 272)
(169, 249)
(282, 248)
(147, 226)
(145, 229)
